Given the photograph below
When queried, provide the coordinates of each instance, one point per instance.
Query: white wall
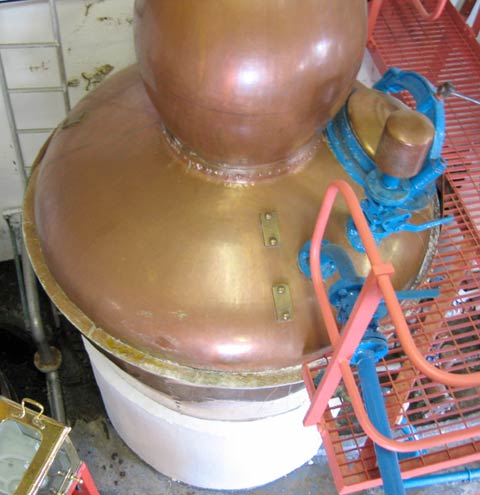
(95, 33)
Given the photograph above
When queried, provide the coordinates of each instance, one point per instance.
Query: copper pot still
(145, 213)
(165, 216)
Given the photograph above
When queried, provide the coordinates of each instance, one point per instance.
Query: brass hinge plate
(271, 229)
(283, 302)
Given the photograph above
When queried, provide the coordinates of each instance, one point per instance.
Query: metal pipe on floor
(7, 215)
(55, 396)
(47, 359)
(33, 304)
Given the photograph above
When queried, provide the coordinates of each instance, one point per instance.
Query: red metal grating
(447, 329)
(445, 50)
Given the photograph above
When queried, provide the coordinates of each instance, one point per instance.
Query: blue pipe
(429, 174)
(466, 475)
(373, 398)
(388, 461)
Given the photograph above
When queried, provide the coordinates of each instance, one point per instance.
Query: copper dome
(246, 81)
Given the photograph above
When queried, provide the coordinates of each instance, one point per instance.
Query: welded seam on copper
(244, 174)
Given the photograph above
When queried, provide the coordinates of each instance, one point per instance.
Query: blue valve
(356, 161)
(390, 200)
(343, 295)
(327, 264)
(344, 292)
(412, 295)
(384, 221)
(410, 227)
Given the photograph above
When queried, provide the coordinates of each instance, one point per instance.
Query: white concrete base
(200, 452)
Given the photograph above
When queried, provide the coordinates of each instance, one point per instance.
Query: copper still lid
(172, 270)
(405, 143)
(368, 111)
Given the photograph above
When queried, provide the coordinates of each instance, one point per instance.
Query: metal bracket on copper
(270, 229)
(283, 302)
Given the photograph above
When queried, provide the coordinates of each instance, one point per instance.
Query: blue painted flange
(350, 153)
(389, 200)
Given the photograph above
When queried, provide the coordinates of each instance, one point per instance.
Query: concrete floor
(118, 471)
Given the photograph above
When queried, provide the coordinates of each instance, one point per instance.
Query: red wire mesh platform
(446, 329)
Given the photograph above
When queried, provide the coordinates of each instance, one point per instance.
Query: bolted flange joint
(51, 366)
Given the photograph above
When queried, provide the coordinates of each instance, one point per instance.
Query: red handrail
(364, 308)
(430, 16)
(396, 445)
(384, 284)
(376, 6)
